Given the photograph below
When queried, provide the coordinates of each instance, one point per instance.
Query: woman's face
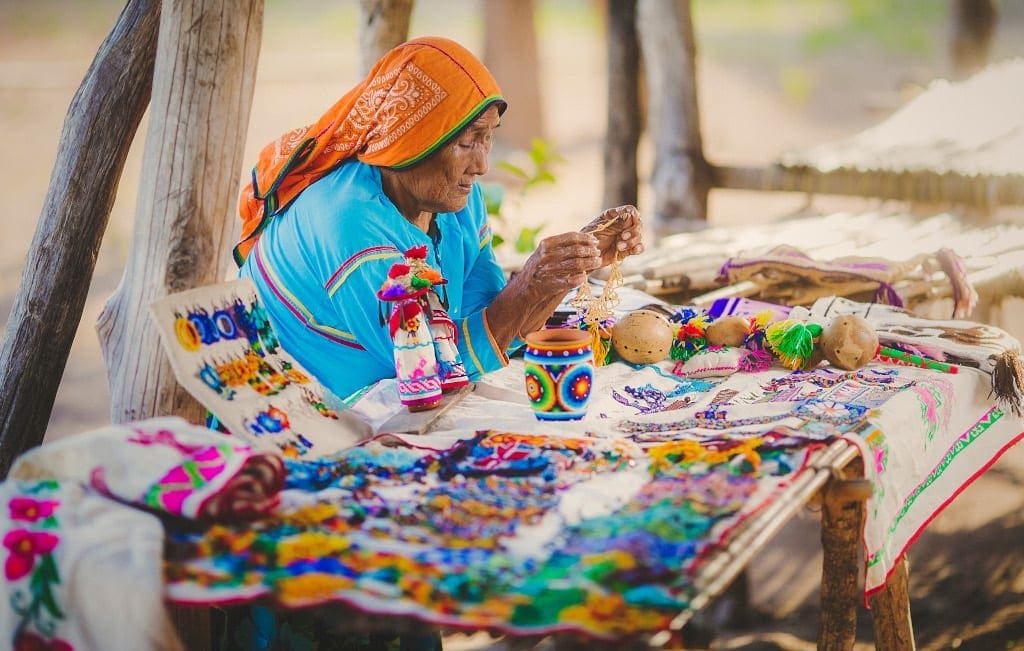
(442, 182)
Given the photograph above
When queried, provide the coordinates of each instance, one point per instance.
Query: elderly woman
(392, 166)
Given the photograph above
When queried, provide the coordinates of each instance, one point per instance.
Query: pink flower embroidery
(28, 641)
(25, 546)
(27, 509)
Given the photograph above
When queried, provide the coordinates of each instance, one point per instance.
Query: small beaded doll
(427, 360)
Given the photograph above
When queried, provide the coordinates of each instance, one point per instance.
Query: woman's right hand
(560, 263)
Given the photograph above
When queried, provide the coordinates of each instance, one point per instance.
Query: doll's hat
(411, 278)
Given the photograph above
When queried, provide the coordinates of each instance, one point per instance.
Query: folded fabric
(164, 464)
(809, 279)
(81, 571)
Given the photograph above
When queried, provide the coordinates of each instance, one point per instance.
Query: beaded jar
(559, 373)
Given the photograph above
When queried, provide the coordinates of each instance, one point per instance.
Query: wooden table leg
(890, 611)
(842, 521)
(193, 626)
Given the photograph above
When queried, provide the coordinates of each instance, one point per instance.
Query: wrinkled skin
(441, 183)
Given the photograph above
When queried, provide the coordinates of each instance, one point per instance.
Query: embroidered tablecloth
(504, 523)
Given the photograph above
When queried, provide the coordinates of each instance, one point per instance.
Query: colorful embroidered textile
(414, 99)
(925, 447)
(600, 530)
(966, 343)
(521, 533)
(165, 465)
(224, 351)
(80, 571)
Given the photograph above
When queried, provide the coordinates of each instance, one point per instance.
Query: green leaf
(514, 169)
(496, 240)
(544, 176)
(527, 240)
(494, 195)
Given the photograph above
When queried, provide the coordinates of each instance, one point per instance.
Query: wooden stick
(890, 611)
(842, 520)
(724, 565)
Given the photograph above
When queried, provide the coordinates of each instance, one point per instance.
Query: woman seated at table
(391, 166)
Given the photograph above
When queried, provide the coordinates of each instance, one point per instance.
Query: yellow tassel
(597, 344)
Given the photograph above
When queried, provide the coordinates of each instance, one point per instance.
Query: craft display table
(941, 439)
(611, 531)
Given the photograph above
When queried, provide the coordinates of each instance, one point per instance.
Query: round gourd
(727, 331)
(848, 342)
(642, 337)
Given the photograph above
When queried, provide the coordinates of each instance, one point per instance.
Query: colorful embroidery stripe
(299, 310)
(469, 343)
(345, 270)
(959, 445)
(469, 346)
(486, 236)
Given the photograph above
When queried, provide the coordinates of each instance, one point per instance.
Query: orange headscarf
(415, 99)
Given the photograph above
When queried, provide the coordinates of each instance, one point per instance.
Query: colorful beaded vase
(559, 373)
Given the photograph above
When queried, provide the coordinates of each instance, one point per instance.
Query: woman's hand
(618, 233)
(560, 263)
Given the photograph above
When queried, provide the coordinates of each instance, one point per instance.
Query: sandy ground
(967, 576)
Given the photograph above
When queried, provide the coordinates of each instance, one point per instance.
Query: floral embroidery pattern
(30, 559)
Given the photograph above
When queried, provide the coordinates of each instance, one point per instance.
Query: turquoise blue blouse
(319, 263)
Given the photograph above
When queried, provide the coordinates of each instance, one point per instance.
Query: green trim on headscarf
(440, 142)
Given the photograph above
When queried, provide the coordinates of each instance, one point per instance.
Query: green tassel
(793, 341)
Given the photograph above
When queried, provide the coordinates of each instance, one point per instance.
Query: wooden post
(972, 25)
(202, 94)
(622, 135)
(101, 122)
(510, 53)
(890, 611)
(383, 24)
(681, 178)
(842, 522)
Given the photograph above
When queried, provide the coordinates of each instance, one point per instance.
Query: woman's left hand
(618, 233)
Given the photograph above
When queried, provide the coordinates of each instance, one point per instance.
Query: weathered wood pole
(511, 54)
(681, 179)
(972, 25)
(202, 94)
(98, 130)
(383, 24)
(890, 611)
(842, 523)
(621, 184)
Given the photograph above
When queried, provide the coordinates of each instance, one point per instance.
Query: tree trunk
(681, 178)
(973, 23)
(383, 24)
(202, 95)
(101, 122)
(624, 123)
(510, 53)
